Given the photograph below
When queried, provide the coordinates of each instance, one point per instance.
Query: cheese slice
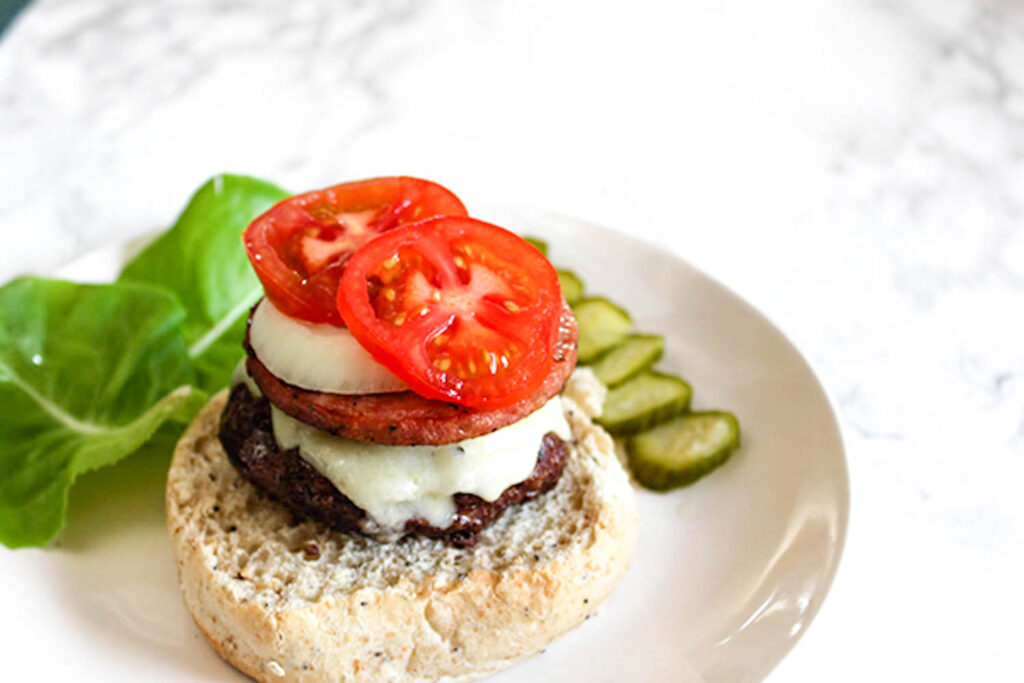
(395, 484)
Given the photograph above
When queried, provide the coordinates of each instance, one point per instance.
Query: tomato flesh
(458, 309)
(300, 246)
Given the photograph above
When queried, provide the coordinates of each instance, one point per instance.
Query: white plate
(727, 576)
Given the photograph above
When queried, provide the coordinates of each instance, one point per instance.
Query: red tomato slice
(299, 247)
(460, 310)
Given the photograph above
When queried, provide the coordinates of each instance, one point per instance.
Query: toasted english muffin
(283, 600)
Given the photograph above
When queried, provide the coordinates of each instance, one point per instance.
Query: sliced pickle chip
(644, 401)
(636, 353)
(540, 244)
(572, 285)
(682, 450)
(602, 325)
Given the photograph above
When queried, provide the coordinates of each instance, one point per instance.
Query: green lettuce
(88, 373)
(202, 261)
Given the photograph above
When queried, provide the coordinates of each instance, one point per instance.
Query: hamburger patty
(247, 436)
(406, 418)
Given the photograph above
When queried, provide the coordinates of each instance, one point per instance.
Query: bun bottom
(292, 601)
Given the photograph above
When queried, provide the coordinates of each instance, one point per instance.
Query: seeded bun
(291, 601)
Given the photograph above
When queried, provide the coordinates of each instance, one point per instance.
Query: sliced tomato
(458, 309)
(300, 246)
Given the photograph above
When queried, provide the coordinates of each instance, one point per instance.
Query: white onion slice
(315, 356)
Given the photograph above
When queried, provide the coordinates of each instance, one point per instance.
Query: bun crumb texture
(287, 600)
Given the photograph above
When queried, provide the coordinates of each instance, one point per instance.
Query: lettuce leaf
(201, 259)
(88, 373)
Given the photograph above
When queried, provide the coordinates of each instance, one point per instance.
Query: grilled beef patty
(248, 439)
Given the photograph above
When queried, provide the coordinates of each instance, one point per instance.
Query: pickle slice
(540, 244)
(572, 286)
(644, 401)
(602, 325)
(681, 451)
(634, 355)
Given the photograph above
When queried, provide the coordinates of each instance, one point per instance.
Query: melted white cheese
(314, 356)
(395, 484)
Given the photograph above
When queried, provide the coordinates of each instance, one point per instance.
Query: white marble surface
(855, 169)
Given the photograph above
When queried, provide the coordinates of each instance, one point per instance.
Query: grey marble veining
(854, 169)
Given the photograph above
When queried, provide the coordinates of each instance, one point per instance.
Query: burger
(403, 482)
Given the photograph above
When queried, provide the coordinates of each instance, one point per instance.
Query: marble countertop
(855, 170)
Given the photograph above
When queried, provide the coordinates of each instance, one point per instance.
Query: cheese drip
(394, 484)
